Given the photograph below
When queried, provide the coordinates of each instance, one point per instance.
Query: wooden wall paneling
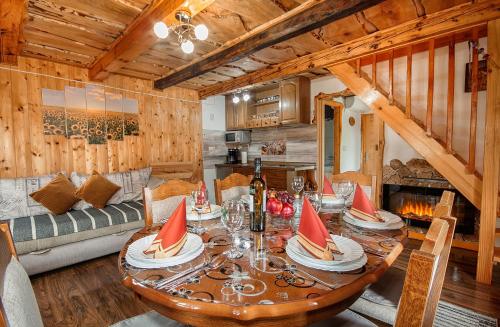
(78, 147)
(491, 165)
(451, 96)
(7, 144)
(21, 123)
(471, 167)
(391, 76)
(35, 115)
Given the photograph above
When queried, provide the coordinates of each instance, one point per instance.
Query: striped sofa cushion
(44, 231)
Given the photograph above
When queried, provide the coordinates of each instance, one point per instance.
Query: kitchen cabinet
(236, 114)
(295, 95)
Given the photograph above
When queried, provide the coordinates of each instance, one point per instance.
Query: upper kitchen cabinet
(236, 114)
(295, 101)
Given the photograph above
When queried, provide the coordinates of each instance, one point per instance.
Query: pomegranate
(274, 206)
(287, 211)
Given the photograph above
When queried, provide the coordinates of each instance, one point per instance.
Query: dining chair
(445, 205)
(367, 182)
(411, 299)
(232, 187)
(18, 305)
(161, 201)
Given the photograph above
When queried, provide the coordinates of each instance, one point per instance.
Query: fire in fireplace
(415, 204)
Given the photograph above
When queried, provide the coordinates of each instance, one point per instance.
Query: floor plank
(90, 293)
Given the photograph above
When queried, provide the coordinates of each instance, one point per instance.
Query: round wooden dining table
(264, 287)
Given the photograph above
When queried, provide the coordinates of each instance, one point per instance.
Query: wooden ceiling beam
(455, 19)
(139, 36)
(11, 19)
(310, 15)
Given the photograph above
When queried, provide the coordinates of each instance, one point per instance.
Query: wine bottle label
(251, 203)
(264, 201)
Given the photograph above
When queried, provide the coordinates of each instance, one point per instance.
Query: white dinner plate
(136, 257)
(215, 213)
(353, 265)
(351, 250)
(392, 221)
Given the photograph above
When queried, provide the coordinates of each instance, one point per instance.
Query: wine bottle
(257, 200)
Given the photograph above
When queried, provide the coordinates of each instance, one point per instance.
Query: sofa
(45, 241)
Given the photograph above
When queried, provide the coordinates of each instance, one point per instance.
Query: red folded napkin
(314, 236)
(363, 208)
(327, 187)
(172, 235)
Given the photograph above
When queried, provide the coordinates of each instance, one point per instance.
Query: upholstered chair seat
(380, 300)
(346, 318)
(148, 319)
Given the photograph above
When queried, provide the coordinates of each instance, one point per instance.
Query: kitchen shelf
(264, 103)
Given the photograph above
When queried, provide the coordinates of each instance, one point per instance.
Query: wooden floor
(90, 293)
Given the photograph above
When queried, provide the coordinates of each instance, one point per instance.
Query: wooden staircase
(439, 153)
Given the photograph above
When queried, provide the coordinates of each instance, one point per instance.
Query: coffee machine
(233, 156)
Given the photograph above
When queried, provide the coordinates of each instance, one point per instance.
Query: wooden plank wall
(170, 129)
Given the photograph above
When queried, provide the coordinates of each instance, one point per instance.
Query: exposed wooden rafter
(451, 20)
(139, 36)
(309, 16)
(11, 19)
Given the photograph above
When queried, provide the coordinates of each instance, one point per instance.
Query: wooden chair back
(7, 251)
(166, 190)
(361, 179)
(445, 205)
(425, 276)
(230, 181)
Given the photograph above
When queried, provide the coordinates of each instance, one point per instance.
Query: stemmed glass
(298, 184)
(345, 190)
(200, 203)
(233, 214)
(314, 198)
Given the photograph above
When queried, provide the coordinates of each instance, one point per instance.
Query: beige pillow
(58, 195)
(97, 190)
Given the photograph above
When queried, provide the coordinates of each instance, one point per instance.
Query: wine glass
(200, 203)
(314, 198)
(233, 214)
(298, 184)
(345, 190)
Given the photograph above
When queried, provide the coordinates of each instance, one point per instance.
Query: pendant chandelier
(185, 31)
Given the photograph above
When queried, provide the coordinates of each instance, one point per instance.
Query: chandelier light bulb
(201, 32)
(246, 97)
(187, 46)
(236, 99)
(161, 30)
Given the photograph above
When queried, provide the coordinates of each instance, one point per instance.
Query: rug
(450, 315)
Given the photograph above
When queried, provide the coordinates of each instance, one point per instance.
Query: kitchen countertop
(295, 166)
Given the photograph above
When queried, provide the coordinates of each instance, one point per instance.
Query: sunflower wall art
(89, 113)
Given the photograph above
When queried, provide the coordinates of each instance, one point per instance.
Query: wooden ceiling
(79, 32)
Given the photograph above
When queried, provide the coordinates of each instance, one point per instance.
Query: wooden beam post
(458, 18)
(11, 21)
(471, 167)
(139, 36)
(491, 166)
(409, 64)
(310, 15)
(451, 96)
(430, 89)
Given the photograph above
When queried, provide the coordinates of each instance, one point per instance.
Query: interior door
(372, 148)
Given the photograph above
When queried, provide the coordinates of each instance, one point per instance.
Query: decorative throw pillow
(97, 190)
(131, 183)
(15, 201)
(58, 195)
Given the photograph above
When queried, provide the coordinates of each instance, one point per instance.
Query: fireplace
(415, 204)
(412, 191)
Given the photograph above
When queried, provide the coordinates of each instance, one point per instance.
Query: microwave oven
(240, 137)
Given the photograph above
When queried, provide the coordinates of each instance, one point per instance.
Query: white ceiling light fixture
(236, 99)
(185, 31)
(246, 97)
(161, 30)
